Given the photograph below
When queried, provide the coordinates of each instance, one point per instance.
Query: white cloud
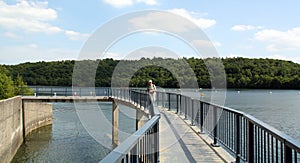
(127, 3)
(25, 10)
(280, 40)
(245, 27)
(192, 16)
(32, 17)
(11, 35)
(205, 43)
(113, 55)
(76, 36)
(32, 46)
(169, 22)
(28, 25)
(33, 53)
(148, 2)
(119, 3)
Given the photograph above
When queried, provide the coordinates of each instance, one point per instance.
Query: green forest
(10, 87)
(168, 73)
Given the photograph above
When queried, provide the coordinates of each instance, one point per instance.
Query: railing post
(288, 156)
(185, 107)
(36, 91)
(215, 122)
(250, 142)
(192, 118)
(115, 124)
(156, 144)
(163, 99)
(140, 102)
(177, 103)
(134, 155)
(237, 138)
(201, 117)
(169, 101)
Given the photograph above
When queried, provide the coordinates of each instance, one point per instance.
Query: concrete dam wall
(16, 124)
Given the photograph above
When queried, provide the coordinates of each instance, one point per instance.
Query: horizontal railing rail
(69, 91)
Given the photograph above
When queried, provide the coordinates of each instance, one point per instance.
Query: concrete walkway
(180, 143)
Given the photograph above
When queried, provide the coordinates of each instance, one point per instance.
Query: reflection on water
(66, 140)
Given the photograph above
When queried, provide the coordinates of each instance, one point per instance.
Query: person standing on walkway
(151, 90)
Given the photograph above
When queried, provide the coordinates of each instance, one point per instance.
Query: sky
(52, 30)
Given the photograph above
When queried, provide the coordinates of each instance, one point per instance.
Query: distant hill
(240, 72)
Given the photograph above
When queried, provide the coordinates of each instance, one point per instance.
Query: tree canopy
(172, 73)
(9, 87)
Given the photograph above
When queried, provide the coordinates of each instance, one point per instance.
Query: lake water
(66, 140)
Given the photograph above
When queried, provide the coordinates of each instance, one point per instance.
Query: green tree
(6, 84)
(21, 88)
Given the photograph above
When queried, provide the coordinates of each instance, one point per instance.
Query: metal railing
(143, 145)
(244, 136)
(70, 91)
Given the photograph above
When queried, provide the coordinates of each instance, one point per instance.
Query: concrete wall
(11, 123)
(11, 131)
(37, 114)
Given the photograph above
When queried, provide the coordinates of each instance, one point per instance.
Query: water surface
(66, 140)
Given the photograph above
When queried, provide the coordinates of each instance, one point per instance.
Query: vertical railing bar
(201, 116)
(265, 147)
(295, 156)
(261, 144)
(169, 101)
(287, 154)
(272, 149)
(250, 150)
(215, 127)
(192, 118)
(281, 151)
(185, 104)
(237, 137)
(177, 103)
(268, 147)
(276, 150)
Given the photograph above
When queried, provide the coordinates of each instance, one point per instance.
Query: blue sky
(57, 30)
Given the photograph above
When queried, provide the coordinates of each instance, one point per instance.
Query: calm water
(278, 108)
(66, 140)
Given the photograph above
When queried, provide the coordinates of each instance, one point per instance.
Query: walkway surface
(180, 143)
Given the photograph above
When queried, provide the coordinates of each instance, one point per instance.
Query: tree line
(167, 72)
(10, 87)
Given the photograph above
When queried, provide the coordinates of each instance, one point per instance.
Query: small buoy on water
(238, 92)
(271, 92)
